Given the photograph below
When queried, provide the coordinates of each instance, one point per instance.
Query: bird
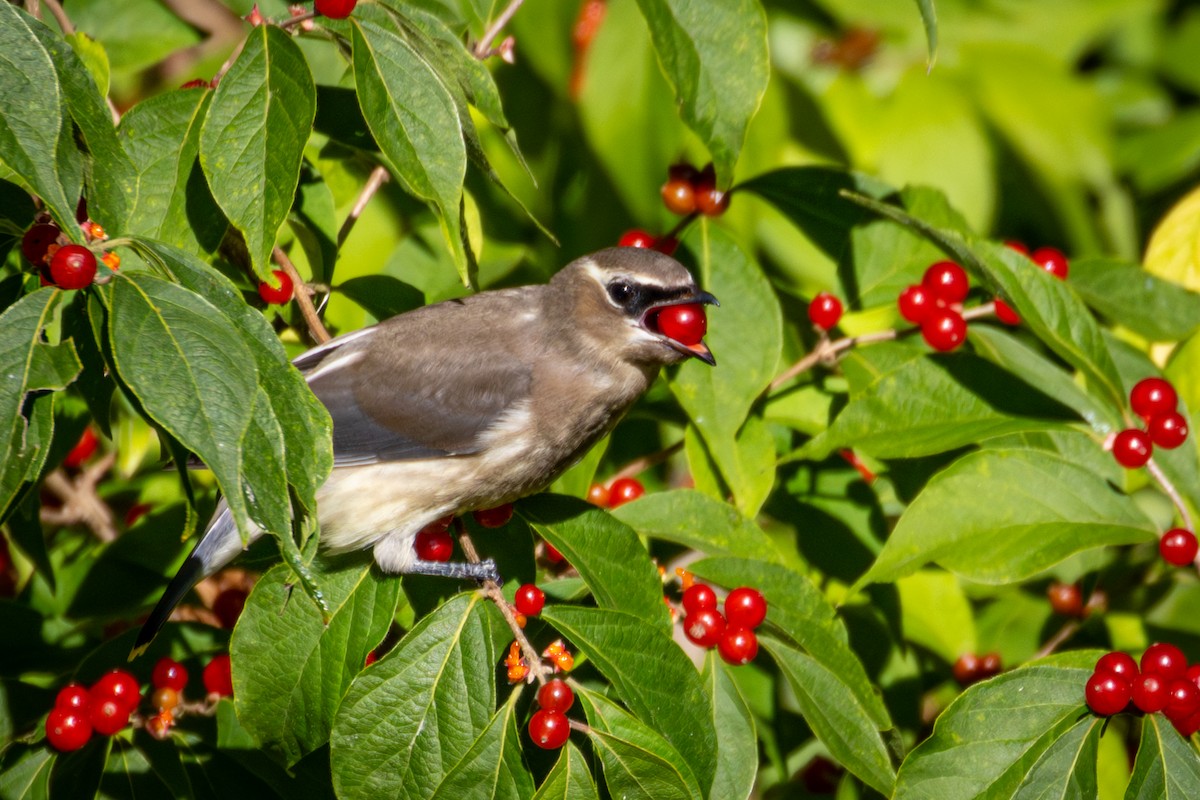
(468, 404)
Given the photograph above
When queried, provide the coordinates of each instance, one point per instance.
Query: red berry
(335, 9)
(1183, 699)
(699, 597)
(1165, 660)
(710, 200)
(218, 676)
(37, 240)
(989, 665)
(277, 295)
(164, 698)
(623, 490)
(1052, 260)
(683, 171)
(169, 674)
(636, 238)
(1168, 429)
(1132, 448)
(1178, 546)
(68, 729)
(684, 323)
(549, 730)
(704, 627)
(194, 83)
(72, 266)
(83, 449)
(1005, 313)
(947, 282)
(496, 517)
(434, 545)
(915, 303)
(1066, 599)
(679, 196)
(598, 495)
(738, 646)
(1150, 693)
(966, 669)
(552, 554)
(667, 245)
(136, 512)
(117, 685)
(555, 695)
(228, 606)
(73, 697)
(1020, 247)
(1188, 726)
(1107, 694)
(529, 600)
(745, 608)
(1118, 663)
(824, 311)
(944, 329)
(109, 716)
(1151, 396)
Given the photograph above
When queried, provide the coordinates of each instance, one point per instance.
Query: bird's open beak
(700, 349)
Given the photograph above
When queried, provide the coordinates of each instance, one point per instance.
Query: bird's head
(622, 302)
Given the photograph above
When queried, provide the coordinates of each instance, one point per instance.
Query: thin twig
(296, 20)
(60, 16)
(220, 73)
(639, 465)
(1064, 633)
(378, 177)
(484, 45)
(1161, 478)
(80, 502)
(302, 294)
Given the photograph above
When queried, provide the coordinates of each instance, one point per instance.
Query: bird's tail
(219, 545)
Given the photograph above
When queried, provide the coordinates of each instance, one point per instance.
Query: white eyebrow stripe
(602, 277)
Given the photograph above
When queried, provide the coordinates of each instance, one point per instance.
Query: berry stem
(303, 297)
(296, 20)
(537, 669)
(1169, 488)
(640, 465)
(484, 46)
(377, 178)
(60, 16)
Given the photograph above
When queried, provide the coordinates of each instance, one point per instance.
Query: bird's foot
(480, 571)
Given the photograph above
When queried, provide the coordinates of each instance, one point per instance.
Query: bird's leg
(483, 571)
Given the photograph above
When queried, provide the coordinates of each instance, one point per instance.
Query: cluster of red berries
(1155, 401)
(731, 633)
(616, 494)
(1165, 682)
(689, 190)
(434, 542)
(972, 668)
(1050, 259)
(61, 262)
(107, 706)
(549, 726)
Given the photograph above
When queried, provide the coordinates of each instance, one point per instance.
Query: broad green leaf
(412, 716)
(291, 669)
(493, 766)
(999, 516)
(936, 615)
(715, 55)
(745, 335)
(25, 771)
(28, 364)
(32, 113)
(606, 553)
(905, 403)
(171, 201)
(569, 779)
(638, 761)
(93, 56)
(695, 520)
(651, 674)
(1170, 253)
(137, 34)
(253, 138)
(1158, 309)
(1019, 734)
(835, 716)
(737, 743)
(1167, 765)
(192, 374)
(413, 117)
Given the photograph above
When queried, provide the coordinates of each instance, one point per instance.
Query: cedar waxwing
(469, 404)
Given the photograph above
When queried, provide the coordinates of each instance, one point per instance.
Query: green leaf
(413, 117)
(936, 614)
(651, 674)
(906, 403)
(1025, 733)
(1167, 767)
(1040, 508)
(745, 334)
(835, 716)
(569, 779)
(32, 113)
(715, 56)
(929, 20)
(1158, 309)
(737, 743)
(697, 521)
(25, 772)
(192, 374)
(493, 766)
(607, 554)
(291, 669)
(638, 761)
(414, 714)
(28, 364)
(253, 139)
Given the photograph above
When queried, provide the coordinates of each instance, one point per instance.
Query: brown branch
(639, 465)
(297, 20)
(483, 47)
(1064, 633)
(1164, 482)
(302, 294)
(60, 16)
(80, 502)
(378, 177)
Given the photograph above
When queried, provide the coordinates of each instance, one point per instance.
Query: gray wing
(427, 383)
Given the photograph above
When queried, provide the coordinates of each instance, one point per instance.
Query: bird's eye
(620, 292)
